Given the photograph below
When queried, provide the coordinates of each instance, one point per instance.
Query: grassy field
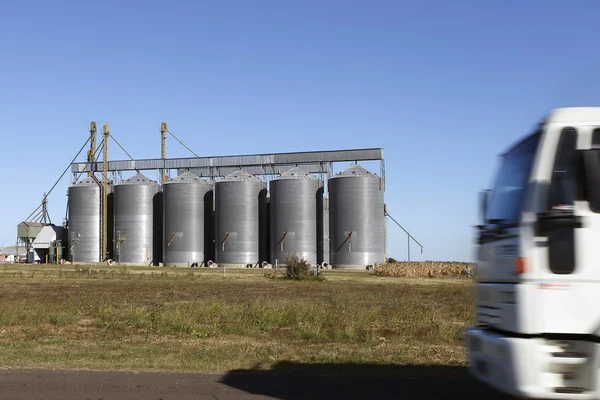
(198, 320)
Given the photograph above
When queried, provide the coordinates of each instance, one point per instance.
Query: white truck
(537, 329)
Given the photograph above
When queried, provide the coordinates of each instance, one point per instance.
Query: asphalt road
(420, 383)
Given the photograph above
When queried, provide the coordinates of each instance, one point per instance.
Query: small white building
(42, 242)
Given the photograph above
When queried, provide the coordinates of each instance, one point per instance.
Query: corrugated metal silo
(134, 220)
(356, 218)
(294, 209)
(183, 219)
(84, 218)
(238, 200)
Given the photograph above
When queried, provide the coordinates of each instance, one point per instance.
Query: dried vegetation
(426, 269)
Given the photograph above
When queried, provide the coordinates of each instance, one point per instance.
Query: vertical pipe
(408, 245)
(382, 169)
(163, 149)
(91, 158)
(73, 243)
(106, 132)
(92, 150)
(44, 209)
(384, 233)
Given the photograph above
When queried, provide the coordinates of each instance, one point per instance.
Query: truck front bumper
(534, 368)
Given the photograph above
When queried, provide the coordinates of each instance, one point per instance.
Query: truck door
(560, 208)
(567, 233)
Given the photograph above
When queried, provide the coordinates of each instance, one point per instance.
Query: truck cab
(537, 277)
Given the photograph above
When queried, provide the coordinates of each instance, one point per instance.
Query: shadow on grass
(360, 381)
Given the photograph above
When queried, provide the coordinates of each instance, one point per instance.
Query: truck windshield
(511, 182)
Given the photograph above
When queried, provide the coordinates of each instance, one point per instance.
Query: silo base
(311, 265)
(184, 264)
(132, 264)
(238, 266)
(350, 267)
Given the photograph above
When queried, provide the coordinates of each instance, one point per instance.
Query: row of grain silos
(234, 221)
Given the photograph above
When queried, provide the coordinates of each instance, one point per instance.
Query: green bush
(299, 269)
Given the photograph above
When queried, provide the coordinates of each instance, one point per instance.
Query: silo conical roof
(87, 181)
(188, 177)
(355, 171)
(240, 176)
(138, 179)
(296, 173)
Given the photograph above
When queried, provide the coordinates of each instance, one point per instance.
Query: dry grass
(198, 320)
(427, 269)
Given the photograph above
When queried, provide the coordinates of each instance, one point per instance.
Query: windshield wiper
(496, 221)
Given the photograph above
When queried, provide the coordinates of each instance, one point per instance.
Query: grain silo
(295, 199)
(84, 218)
(238, 200)
(356, 218)
(135, 224)
(183, 220)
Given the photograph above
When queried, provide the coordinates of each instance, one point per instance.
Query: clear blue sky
(442, 86)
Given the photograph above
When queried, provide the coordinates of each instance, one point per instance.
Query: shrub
(299, 269)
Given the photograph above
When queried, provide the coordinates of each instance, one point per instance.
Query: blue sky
(442, 86)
